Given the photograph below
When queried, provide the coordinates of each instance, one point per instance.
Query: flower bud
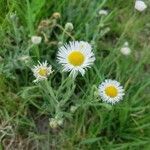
(140, 5)
(125, 50)
(56, 15)
(36, 39)
(69, 27)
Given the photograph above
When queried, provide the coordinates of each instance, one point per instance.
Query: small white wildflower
(69, 26)
(111, 91)
(42, 71)
(103, 12)
(125, 50)
(36, 39)
(140, 5)
(73, 109)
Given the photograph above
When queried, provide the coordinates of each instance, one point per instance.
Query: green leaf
(90, 140)
(36, 6)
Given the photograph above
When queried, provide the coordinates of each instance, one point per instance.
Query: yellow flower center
(43, 72)
(111, 91)
(76, 58)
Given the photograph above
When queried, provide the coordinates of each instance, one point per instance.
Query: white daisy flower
(111, 91)
(76, 57)
(42, 71)
(140, 5)
(36, 39)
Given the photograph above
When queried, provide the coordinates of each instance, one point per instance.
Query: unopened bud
(36, 39)
(69, 27)
(56, 15)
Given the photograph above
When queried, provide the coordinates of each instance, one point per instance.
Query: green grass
(25, 107)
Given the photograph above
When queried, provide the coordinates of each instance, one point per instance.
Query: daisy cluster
(76, 57)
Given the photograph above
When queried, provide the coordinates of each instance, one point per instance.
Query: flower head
(36, 39)
(111, 91)
(56, 15)
(42, 71)
(140, 5)
(76, 57)
(68, 26)
(125, 50)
